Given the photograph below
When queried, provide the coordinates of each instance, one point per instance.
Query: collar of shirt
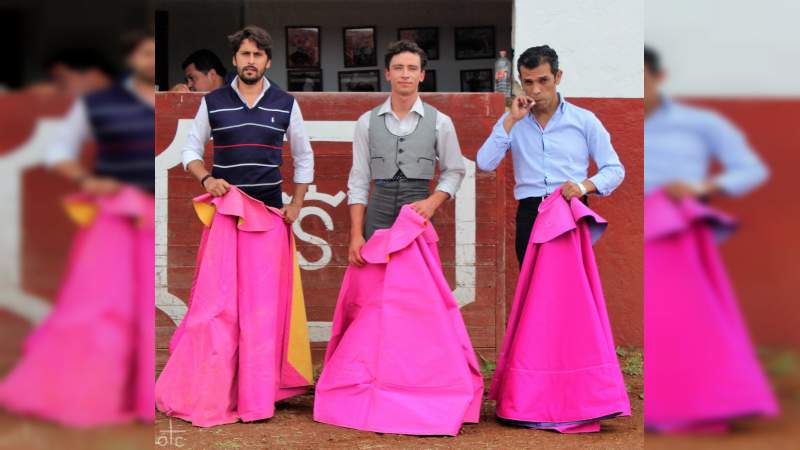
(235, 86)
(665, 108)
(386, 108)
(562, 104)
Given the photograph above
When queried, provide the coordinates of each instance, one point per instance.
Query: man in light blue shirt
(681, 142)
(551, 142)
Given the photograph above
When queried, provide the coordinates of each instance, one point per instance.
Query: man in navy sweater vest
(247, 120)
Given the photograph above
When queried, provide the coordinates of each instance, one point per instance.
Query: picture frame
(360, 81)
(475, 42)
(426, 37)
(360, 46)
(429, 83)
(477, 80)
(304, 80)
(303, 44)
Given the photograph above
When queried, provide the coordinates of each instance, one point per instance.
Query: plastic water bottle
(502, 74)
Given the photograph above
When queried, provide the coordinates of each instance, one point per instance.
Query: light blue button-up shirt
(545, 159)
(681, 142)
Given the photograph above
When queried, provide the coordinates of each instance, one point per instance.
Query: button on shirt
(448, 152)
(302, 155)
(681, 142)
(546, 158)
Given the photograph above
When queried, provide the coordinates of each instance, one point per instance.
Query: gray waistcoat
(414, 155)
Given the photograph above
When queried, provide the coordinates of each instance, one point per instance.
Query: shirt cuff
(189, 157)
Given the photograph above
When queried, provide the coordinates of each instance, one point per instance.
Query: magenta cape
(558, 366)
(701, 366)
(91, 361)
(243, 344)
(399, 360)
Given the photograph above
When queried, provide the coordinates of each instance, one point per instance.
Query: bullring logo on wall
(318, 131)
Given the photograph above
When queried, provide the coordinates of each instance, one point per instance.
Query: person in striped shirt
(247, 120)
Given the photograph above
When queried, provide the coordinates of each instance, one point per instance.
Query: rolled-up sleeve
(494, 149)
(743, 170)
(358, 180)
(610, 171)
(302, 154)
(451, 161)
(199, 134)
(69, 136)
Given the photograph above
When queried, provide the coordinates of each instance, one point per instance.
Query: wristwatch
(582, 188)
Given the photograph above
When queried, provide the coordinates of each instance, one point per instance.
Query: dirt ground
(293, 428)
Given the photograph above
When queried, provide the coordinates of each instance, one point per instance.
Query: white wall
(599, 42)
(193, 27)
(731, 48)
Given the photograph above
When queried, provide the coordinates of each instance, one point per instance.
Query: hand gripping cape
(399, 359)
(558, 367)
(91, 361)
(243, 344)
(701, 367)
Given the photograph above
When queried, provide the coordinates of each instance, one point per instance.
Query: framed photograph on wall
(359, 47)
(302, 47)
(360, 81)
(426, 37)
(477, 80)
(304, 80)
(429, 83)
(474, 42)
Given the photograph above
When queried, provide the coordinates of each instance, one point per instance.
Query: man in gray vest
(396, 145)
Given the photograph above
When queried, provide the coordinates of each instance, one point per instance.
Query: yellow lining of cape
(82, 213)
(299, 345)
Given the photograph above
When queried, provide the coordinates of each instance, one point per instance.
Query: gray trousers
(386, 199)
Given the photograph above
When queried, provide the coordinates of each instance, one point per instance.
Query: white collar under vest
(386, 108)
(235, 86)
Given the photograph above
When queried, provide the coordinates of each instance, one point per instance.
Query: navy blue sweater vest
(124, 129)
(248, 142)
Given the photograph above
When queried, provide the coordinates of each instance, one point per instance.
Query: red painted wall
(762, 258)
(473, 115)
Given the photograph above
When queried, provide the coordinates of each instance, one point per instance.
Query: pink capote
(558, 367)
(243, 344)
(399, 359)
(91, 361)
(701, 367)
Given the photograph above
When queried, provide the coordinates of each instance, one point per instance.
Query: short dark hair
(652, 61)
(204, 60)
(132, 39)
(256, 34)
(402, 46)
(536, 56)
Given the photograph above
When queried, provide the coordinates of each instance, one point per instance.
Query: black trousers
(527, 210)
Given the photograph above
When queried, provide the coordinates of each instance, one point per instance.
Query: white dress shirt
(302, 154)
(76, 129)
(448, 152)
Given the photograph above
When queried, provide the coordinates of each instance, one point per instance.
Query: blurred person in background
(701, 371)
(204, 72)
(91, 360)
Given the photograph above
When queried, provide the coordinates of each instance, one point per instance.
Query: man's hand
(354, 254)
(570, 190)
(520, 107)
(216, 186)
(427, 208)
(679, 189)
(100, 186)
(290, 212)
(180, 87)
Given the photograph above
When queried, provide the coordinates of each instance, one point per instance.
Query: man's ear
(269, 64)
(422, 75)
(558, 76)
(386, 74)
